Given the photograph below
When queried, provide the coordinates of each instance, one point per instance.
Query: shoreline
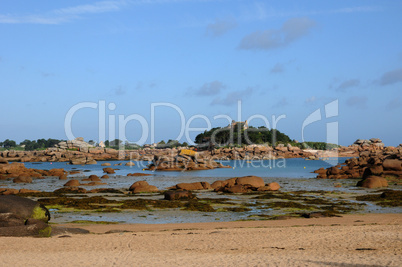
(343, 220)
(351, 240)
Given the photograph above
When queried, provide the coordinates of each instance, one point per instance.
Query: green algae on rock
(388, 198)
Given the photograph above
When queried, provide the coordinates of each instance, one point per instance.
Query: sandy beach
(351, 240)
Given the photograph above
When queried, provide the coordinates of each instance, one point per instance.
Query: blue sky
(278, 58)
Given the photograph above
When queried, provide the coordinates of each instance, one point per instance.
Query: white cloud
(209, 89)
(68, 14)
(348, 84)
(145, 85)
(281, 103)
(292, 30)
(233, 97)
(34, 19)
(357, 102)
(311, 100)
(47, 74)
(395, 103)
(357, 9)
(119, 91)
(98, 7)
(220, 27)
(64, 15)
(278, 68)
(391, 77)
(260, 11)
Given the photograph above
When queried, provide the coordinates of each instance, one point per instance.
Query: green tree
(29, 145)
(161, 144)
(51, 142)
(238, 136)
(41, 143)
(9, 143)
(172, 143)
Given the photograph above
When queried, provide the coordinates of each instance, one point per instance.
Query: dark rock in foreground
(24, 208)
(23, 217)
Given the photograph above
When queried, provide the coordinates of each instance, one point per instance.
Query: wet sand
(351, 240)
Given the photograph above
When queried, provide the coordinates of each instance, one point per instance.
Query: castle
(234, 123)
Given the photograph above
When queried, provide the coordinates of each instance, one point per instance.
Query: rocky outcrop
(385, 163)
(193, 186)
(82, 160)
(178, 195)
(373, 182)
(79, 152)
(274, 186)
(138, 174)
(21, 174)
(260, 152)
(252, 181)
(76, 144)
(185, 160)
(373, 143)
(232, 185)
(22, 179)
(108, 170)
(142, 187)
(73, 182)
(92, 178)
(244, 185)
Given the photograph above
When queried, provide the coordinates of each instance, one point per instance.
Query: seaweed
(288, 205)
(83, 203)
(137, 204)
(166, 204)
(388, 198)
(237, 209)
(40, 194)
(278, 195)
(46, 232)
(195, 205)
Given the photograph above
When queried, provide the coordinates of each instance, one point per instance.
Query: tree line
(29, 145)
(238, 136)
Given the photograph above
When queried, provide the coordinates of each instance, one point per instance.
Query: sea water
(269, 170)
(292, 175)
